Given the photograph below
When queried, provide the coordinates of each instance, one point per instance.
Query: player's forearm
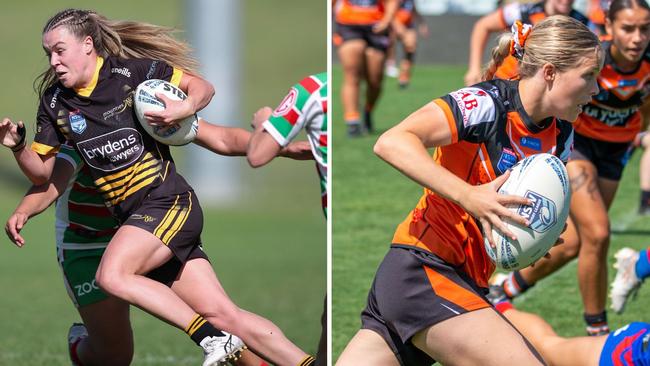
(37, 199)
(477, 44)
(199, 93)
(262, 148)
(390, 9)
(36, 168)
(229, 141)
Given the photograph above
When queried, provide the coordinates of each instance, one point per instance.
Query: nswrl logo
(541, 214)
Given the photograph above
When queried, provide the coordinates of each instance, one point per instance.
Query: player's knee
(224, 318)
(597, 237)
(110, 281)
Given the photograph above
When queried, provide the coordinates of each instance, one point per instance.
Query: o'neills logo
(112, 151)
(122, 71)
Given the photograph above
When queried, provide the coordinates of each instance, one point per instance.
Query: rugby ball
(543, 179)
(181, 132)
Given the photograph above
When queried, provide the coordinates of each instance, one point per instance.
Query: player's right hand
(13, 227)
(260, 116)
(9, 135)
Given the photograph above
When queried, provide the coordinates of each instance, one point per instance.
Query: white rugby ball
(182, 132)
(543, 179)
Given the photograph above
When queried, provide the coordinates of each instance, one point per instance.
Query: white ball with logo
(182, 132)
(543, 179)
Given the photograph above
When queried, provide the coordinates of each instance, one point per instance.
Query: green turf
(269, 252)
(371, 199)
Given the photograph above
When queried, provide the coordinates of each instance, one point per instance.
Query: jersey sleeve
(298, 107)
(48, 136)
(471, 114)
(69, 154)
(155, 69)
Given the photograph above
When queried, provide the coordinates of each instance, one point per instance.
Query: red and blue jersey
(627, 346)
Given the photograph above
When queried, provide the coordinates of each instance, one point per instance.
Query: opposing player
(403, 30)
(362, 39)
(626, 346)
(605, 131)
(303, 108)
(501, 20)
(428, 291)
(632, 268)
(84, 96)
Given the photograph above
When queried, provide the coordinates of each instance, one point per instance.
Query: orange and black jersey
(613, 114)
(125, 162)
(358, 12)
(405, 12)
(530, 13)
(491, 131)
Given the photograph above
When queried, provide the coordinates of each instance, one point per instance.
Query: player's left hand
(260, 116)
(298, 150)
(13, 227)
(174, 111)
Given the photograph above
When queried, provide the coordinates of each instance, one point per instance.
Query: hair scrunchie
(520, 32)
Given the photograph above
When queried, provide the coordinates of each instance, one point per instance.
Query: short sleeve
(470, 112)
(48, 136)
(146, 69)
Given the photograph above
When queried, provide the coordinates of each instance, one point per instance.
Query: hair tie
(520, 32)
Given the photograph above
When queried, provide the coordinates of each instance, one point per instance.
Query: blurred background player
(626, 346)
(604, 134)
(303, 108)
(362, 38)
(403, 31)
(428, 290)
(501, 20)
(643, 141)
(632, 268)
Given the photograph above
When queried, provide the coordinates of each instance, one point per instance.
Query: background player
(501, 20)
(362, 39)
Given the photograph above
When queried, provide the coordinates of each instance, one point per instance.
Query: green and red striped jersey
(304, 107)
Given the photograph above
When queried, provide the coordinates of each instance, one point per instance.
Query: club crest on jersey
(287, 103)
(531, 143)
(541, 214)
(77, 122)
(507, 159)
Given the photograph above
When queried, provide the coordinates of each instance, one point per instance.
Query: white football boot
(76, 333)
(219, 351)
(626, 283)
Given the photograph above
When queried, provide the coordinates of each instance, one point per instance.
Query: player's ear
(549, 71)
(88, 45)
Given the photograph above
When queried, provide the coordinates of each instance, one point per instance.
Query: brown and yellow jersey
(491, 131)
(126, 163)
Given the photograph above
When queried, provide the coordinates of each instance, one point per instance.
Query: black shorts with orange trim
(175, 219)
(379, 41)
(413, 290)
(609, 157)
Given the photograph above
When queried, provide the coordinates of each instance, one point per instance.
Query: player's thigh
(375, 60)
(351, 55)
(367, 348)
(479, 337)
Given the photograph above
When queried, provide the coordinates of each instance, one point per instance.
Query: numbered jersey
(613, 114)
(304, 107)
(126, 163)
(358, 12)
(490, 131)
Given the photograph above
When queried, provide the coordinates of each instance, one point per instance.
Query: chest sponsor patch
(532, 143)
(112, 151)
(507, 159)
(77, 122)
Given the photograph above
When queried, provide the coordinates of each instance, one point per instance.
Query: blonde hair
(559, 40)
(125, 39)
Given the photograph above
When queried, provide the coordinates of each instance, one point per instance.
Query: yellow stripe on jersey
(42, 149)
(176, 77)
(110, 179)
(165, 221)
(178, 224)
(86, 91)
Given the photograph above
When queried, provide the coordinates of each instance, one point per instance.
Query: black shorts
(412, 291)
(609, 157)
(379, 41)
(175, 219)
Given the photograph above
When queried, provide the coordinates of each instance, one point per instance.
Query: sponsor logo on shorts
(77, 122)
(113, 150)
(541, 214)
(145, 218)
(506, 161)
(86, 288)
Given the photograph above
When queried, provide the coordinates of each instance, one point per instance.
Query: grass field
(370, 199)
(269, 251)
